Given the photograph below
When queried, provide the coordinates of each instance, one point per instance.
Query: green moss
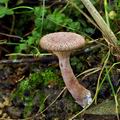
(107, 107)
(31, 87)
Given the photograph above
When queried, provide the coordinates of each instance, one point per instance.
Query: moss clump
(105, 108)
(32, 87)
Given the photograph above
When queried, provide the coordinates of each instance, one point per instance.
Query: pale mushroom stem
(78, 91)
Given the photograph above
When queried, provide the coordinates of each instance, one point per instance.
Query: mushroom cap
(62, 41)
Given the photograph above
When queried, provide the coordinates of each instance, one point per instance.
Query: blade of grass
(43, 14)
(89, 71)
(106, 12)
(22, 7)
(108, 73)
(114, 93)
(99, 77)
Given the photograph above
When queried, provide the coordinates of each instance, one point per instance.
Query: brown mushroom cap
(62, 41)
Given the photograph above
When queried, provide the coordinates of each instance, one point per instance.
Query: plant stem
(22, 7)
(106, 12)
(98, 82)
(114, 94)
(43, 14)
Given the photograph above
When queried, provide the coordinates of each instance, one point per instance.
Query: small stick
(8, 35)
(42, 59)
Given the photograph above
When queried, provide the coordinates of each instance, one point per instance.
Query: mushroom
(62, 44)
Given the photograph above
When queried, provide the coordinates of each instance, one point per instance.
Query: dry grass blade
(89, 72)
(54, 100)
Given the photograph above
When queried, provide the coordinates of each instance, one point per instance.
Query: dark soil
(62, 109)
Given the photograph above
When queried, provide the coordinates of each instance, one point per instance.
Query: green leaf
(2, 11)
(57, 17)
(90, 30)
(4, 1)
(39, 11)
(5, 11)
(23, 46)
(74, 25)
(9, 12)
(30, 40)
(20, 47)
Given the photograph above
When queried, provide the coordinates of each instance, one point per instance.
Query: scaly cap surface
(62, 41)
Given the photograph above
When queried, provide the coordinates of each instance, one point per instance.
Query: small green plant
(31, 43)
(53, 21)
(4, 10)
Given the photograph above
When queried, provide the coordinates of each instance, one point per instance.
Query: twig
(42, 59)
(8, 35)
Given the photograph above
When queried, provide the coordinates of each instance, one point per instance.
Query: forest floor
(59, 103)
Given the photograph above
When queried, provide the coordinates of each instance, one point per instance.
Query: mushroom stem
(78, 91)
